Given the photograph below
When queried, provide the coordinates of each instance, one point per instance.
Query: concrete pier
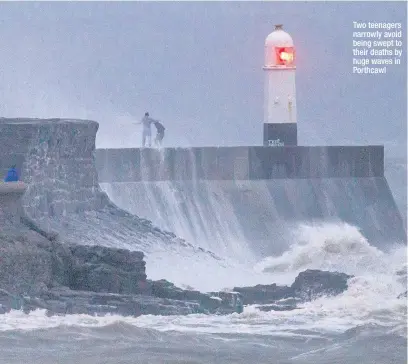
(235, 197)
(239, 163)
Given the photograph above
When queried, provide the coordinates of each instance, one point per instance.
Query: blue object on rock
(12, 175)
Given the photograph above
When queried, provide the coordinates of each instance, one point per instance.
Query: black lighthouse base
(280, 135)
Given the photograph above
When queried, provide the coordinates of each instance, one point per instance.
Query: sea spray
(334, 247)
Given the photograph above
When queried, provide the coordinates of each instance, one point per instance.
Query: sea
(365, 324)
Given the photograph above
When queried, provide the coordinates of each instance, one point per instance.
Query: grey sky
(196, 66)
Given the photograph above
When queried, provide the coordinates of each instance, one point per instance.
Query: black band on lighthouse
(279, 135)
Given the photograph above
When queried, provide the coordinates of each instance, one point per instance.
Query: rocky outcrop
(36, 272)
(25, 261)
(213, 302)
(39, 273)
(263, 294)
(307, 286)
(100, 269)
(30, 263)
(312, 284)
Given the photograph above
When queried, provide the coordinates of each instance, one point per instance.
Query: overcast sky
(197, 67)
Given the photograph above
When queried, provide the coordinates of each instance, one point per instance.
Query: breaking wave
(334, 247)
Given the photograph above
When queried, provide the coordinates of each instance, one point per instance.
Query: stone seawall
(238, 163)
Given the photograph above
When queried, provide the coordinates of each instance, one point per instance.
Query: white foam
(202, 271)
(334, 247)
(207, 221)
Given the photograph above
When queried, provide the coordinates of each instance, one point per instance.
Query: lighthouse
(280, 124)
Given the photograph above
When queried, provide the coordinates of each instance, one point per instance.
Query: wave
(335, 247)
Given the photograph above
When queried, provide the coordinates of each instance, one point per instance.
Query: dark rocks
(263, 294)
(85, 302)
(164, 298)
(213, 302)
(277, 307)
(105, 278)
(32, 225)
(101, 269)
(63, 265)
(311, 284)
(166, 289)
(110, 256)
(29, 262)
(24, 265)
(36, 272)
(307, 286)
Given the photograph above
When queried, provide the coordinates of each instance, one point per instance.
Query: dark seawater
(124, 343)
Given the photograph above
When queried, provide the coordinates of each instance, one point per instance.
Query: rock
(39, 273)
(106, 278)
(268, 308)
(102, 269)
(32, 264)
(63, 264)
(32, 225)
(311, 284)
(25, 262)
(213, 302)
(36, 272)
(307, 286)
(263, 294)
(128, 260)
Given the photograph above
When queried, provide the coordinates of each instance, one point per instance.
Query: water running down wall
(240, 200)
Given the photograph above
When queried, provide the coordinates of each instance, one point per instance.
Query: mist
(197, 67)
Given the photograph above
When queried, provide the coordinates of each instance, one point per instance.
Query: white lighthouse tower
(280, 126)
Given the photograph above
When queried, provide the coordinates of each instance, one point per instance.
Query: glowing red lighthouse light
(285, 56)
